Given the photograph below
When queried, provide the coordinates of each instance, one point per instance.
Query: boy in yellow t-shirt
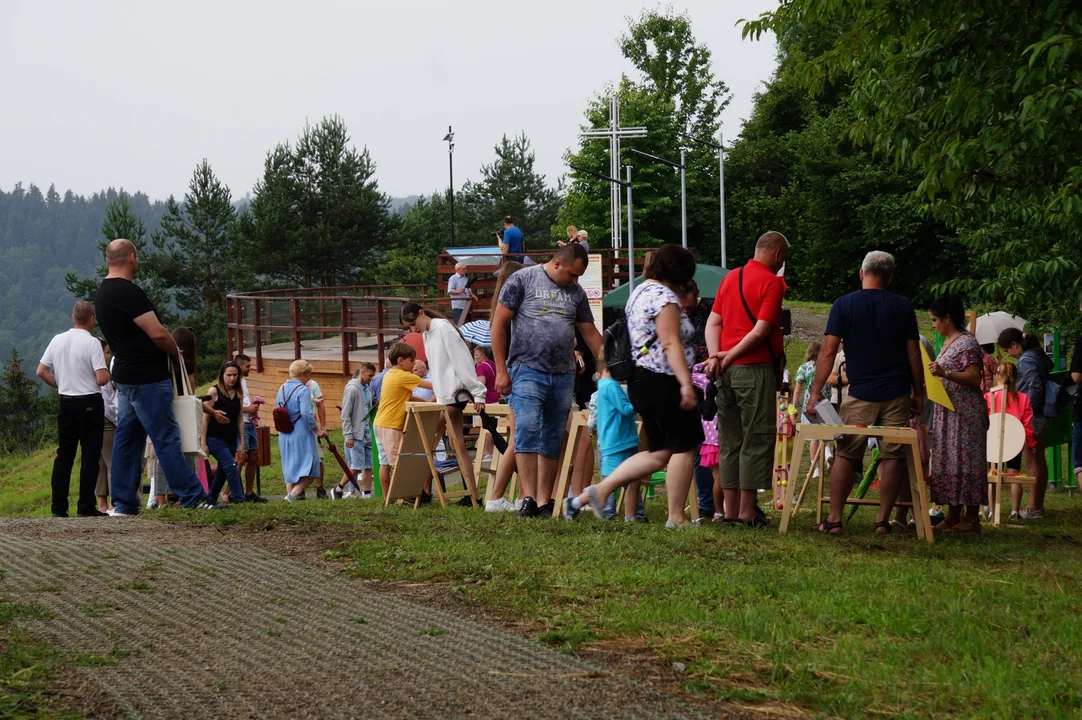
(397, 389)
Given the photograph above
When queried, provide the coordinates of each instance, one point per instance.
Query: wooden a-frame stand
(416, 457)
(574, 437)
(904, 436)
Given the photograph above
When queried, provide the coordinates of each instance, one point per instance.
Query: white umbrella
(991, 325)
(477, 332)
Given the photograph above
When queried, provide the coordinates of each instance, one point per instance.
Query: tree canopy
(980, 98)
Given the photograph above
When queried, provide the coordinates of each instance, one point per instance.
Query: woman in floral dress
(959, 471)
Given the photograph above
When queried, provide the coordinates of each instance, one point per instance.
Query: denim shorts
(251, 437)
(541, 402)
(360, 455)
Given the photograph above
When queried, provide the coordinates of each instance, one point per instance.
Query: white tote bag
(188, 410)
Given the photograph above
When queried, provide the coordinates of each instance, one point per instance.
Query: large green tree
(980, 98)
(426, 227)
(508, 186)
(794, 169)
(317, 216)
(674, 94)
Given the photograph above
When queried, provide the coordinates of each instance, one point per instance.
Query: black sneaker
(301, 496)
(336, 493)
(253, 498)
(529, 508)
(545, 510)
(94, 513)
(58, 515)
(321, 493)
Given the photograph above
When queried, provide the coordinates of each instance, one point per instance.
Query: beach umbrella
(477, 332)
(989, 326)
(707, 277)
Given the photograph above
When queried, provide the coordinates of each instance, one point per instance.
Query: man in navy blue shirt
(886, 381)
(512, 245)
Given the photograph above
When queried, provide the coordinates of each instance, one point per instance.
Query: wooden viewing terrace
(337, 328)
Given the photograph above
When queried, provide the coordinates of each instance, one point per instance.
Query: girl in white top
(450, 363)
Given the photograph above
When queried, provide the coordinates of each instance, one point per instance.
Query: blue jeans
(704, 486)
(610, 506)
(456, 313)
(227, 470)
(251, 437)
(540, 402)
(144, 410)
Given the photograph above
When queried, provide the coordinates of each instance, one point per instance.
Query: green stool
(656, 479)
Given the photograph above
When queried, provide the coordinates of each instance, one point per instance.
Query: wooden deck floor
(329, 349)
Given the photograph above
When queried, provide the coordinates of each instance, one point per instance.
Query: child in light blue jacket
(617, 440)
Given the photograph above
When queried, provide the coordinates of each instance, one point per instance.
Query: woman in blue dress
(300, 455)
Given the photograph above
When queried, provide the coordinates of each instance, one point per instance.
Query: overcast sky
(134, 94)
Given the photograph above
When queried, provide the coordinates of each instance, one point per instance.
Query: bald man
(141, 349)
(744, 342)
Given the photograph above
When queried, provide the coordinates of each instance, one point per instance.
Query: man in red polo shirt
(743, 337)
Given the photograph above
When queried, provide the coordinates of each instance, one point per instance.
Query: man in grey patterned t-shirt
(458, 287)
(544, 304)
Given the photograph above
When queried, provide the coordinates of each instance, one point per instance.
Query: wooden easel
(416, 457)
(996, 442)
(567, 461)
(818, 462)
(904, 436)
(487, 472)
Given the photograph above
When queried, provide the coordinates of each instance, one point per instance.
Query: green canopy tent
(707, 277)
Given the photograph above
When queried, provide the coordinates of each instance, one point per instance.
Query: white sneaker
(518, 505)
(486, 460)
(347, 493)
(366, 495)
(116, 513)
(500, 505)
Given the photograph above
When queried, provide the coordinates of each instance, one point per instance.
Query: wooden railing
(483, 268)
(269, 317)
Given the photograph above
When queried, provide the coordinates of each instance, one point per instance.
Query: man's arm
(592, 337)
(148, 322)
(499, 327)
(712, 334)
(321, 412)
(347, 410)
(752, 340)
(101, 376)
(46, 374)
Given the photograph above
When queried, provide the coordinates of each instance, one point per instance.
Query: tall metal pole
(721, 193)
(683, 199)
(451, 167)
(630, 238)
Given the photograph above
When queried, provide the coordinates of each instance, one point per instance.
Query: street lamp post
(682, 167)
(449, 138)
(719, 146)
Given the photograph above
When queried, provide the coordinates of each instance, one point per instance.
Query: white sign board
(591, 283)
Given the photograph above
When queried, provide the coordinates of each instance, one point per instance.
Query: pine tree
(195, 244)
(317, 217)
(510, 186)
(20, 409)
(122, 222)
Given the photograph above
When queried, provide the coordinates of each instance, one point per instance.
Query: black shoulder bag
(775, 360)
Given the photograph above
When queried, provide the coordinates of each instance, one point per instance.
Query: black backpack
(618, 358)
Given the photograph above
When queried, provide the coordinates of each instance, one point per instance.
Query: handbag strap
(754, 320)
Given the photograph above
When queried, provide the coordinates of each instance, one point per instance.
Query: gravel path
(186, 623)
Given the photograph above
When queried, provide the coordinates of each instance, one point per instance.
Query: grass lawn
(987, 626)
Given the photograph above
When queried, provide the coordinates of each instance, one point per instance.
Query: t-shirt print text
(555, 302)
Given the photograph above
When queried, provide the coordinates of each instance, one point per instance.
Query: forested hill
(42, 237)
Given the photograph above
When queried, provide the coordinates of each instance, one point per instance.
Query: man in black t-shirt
(886, 381)
(141, 349)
